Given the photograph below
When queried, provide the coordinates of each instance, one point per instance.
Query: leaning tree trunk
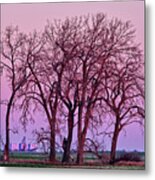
(67, 147)
(114, 143)
(7, 141)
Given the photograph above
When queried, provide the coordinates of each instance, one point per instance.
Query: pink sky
(34, 16)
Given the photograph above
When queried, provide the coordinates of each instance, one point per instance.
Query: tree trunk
(83, 137)
(114, 144)
(52, 145)
(67, 146)
(80, 151)
(7, 141)
(53, 123)
(78, 160)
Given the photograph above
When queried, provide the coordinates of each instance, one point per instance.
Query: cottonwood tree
(104, 42)
(16, 72)
(92, 58)
(79, 65)
(81, 58)
(41, 88)
(122, 94)
(64, 40)
(118, 48)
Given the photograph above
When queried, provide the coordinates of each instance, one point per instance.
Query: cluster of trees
(83, 72)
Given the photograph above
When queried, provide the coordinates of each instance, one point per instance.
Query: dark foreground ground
(40, 160)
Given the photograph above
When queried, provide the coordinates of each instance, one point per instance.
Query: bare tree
(43, 139)
(92, 57)
(16, 72)
(73, 70)
(41, 88)
(96, 148)
(112, 46)
(122, 94)
(65, 38)
(78, 50)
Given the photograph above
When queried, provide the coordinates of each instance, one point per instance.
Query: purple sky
(34, 16)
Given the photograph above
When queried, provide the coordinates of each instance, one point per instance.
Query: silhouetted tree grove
(76, 71)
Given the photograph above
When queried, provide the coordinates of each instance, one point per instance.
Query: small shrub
(130, 156)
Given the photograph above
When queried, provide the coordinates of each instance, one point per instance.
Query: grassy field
(72, 166)
(40, 160)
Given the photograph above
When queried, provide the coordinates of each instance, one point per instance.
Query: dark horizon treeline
(78, 72)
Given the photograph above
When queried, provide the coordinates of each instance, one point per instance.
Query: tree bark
(83, 137)
(53, 122)
(66, 155)
(114, 143)
(78, 160)
(52, 145)
(80, 114)
(80, 151)
(7, 141)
